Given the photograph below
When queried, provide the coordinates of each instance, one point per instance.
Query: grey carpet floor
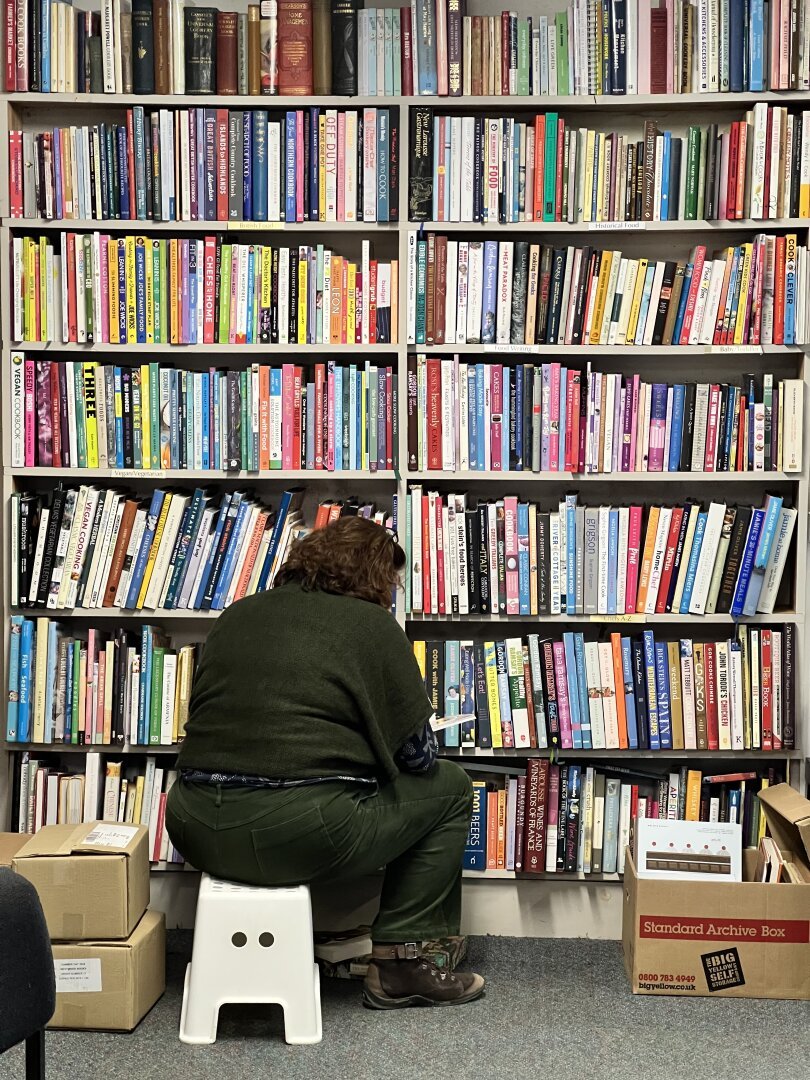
(551, 1005)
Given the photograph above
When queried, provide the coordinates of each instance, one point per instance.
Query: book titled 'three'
(200, 49)
(295, 47)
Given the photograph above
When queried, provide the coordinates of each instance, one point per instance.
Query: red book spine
(561, 163)
(779, 292)
(739, 199)
(733, 166)
(697, 270)
(539, 158)
(669, 560)
(520, 822)
(712, 734)
(534, 858)
(295, 47)
(571, 412)
(288, 459)
(440, 582)
(496, 416)
(427, 596)
(759, 281)
(407, 51)
(222, 164)
(766, 685)
(55, 416)
(15, 165)
(434, 411)
(505, 53)
(320, 376)
(11, 47)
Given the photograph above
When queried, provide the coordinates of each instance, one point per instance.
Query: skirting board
(552, 909)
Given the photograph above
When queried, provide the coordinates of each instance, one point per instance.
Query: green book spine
(157, 311)
(561, 19)
(164, 290)
(81, 427)
(154, 415)
(523, 58)
(550, 167)
(156, 702)
(74, 705)
(692, 172)
(88, 286)
(225, 295)
(421, 290)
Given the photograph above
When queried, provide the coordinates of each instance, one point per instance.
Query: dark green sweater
(297, 685)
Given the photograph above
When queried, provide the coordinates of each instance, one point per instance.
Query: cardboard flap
(788, 816)
(89, 838)
(53, 840)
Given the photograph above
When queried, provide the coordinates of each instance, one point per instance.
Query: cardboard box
(111, 985)
(10, 844)
(92, 879)
(729, 939)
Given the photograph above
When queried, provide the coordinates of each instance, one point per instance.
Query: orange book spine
(647, 557)
(501, 829)
(618, 681)
(692, 810)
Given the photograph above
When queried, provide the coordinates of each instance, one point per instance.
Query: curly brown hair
(352, 557)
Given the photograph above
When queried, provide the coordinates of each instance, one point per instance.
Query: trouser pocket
(295, 851)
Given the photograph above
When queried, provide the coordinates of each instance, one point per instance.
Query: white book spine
(350, 168)
(708, 554)
(369, 165)
(688, 695)
(462, 287)
(451, 305)
(411, 289)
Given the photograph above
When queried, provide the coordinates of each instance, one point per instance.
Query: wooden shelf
(511, 875)
(246, 350)
(303, 476)
(468, 476)
(579, 227)
(642, 352)
(614, 620)
(471, 752)
(137, 226)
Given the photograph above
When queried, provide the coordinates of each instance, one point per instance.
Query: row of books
(105, 689)
(552, 418)
(212, 165)
(117, 791)
(518, 293)
(479, 168)
(133, 290)
(85, 415)
(90, 547)
(629, 692)
(512, 557)
(580, 818)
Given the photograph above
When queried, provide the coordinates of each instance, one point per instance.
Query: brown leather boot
(400, 977)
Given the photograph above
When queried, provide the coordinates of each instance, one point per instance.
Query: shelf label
(255, 226)
(513, 348)
(754, 350)
(138, 474)
(634, 618)
(616, 226)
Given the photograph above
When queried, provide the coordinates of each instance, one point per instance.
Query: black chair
(27, 988)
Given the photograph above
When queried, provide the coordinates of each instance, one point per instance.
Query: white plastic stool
(252, 946)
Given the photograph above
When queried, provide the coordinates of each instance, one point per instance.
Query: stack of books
(517, 293)
(630, 692)
(133, 290)
(512, 557)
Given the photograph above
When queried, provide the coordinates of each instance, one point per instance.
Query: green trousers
(416, 827)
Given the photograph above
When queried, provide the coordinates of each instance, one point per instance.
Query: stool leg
(35, 1056)
(302, 1008)
(200, 1012)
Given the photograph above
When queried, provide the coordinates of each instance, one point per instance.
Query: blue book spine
(187, 385)
(210, 184)
(259, 166)
(13, 711)
(731, 412)
(290, 169)
(144, 687)
(570, 553)
(475, 853)
(582, 688)
(50, 680)
(613, 559)
(652, 689)
(383, 153)
(573, 690)
(472, 418)
(517, 419)
(662, 696)
(505, 436)
(665, 175)
(629, 695)
(45, 47)
(687, 278)
(790, 295)
(188, 531)
(143, 551)
(490, 294)
(26, 680)
(229, 562)
(645, 302)
(747, 564)
(425, 33)
(734, 804)
(467, 693)
(691, 567)
(358, 404)
(676, 431)
(278, 528)
(481, 433)
(736, 46)
(247, 167)
(756, 46)
(224, 508)
(773, 512)
(523, 558)
(217, 440)
(313, 178)
(338, 395)
(123, 172)
(119, 421)
(452, 689)
(206, 420)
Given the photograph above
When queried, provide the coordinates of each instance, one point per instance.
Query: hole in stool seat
(239, 939)
(266, 940)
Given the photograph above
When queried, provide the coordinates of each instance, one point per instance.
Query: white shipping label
(78, 976)
(114, 836)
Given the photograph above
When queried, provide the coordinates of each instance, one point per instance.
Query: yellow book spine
(351, 303)
(491, 671)
(742, 307)
(303, 267)
(693, 780)
(647, 557)
(146, 417)
(31, 256)
(267, 277)
(590, 148)
(635, 307)
(90, 413)
(45, 330)
(601, 294)
(153, 550)
(150, 298)
(112, 303)
(174, 316)
(394, 301)
(138, 809)
(41, 669)
(336, 274)
(420, 652)
(132, 333)
(322, 168)
(600, 174)
(762, 822)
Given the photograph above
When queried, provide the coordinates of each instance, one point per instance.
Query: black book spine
(550, 693)
(200, 39)
(736, 546)
(126, 410)
(120, 720)
(293, 293)
(344, 47)
(274, 318)
(788, 687)
(520, 282)
(182, 427)
(572, 818)
(722, 443)
(394, 151)
(544, 288)
(222, 548)
(143, 48)
(483, 732)
(580, 299)
(543, 565)
(555, 297)
(420, 177)
(663, 302)
(676, 562)
(23, 568)
(528, 404)
(688, 426)
(483, 561)
(562, 818)
(234, 456)
(473, 560)
(478, 172)
(674, 179)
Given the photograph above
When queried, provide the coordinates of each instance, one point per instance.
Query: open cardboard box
(730, 939)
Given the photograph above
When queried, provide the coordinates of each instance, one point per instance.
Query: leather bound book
(96, 65)
(200, 47)
(162, 42)
(295, 47)
(344, 46)
(254, 51)
(143, 48)
(126, 52)
(322, 46)
(227, 52)
(658, 50)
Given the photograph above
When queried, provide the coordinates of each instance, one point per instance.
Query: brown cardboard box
(92, 879)
(730, 939)
(111, 985)
(10, 844)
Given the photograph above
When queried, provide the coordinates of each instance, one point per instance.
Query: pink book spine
(104, 248)
(722, 210)
(759, 263)
(237, 256)
(102, 674)
(670, 49)
(711, 429)
(563, 708)
(344, 293)
(330, 417)
(636, 390)
(694, 285)
(185, 328)
(643, 80)
(496, 419)
(30, 413)
(441, 48)
(90, 676)
(633, 550)
(554, 437)
(358, 308)
(209, 289)
(570, 422)
(299, 173)
(341, 182)
(441, 167)
(15, 163)
(511, 553)
(287, 412)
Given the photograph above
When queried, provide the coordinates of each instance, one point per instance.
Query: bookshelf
(515, 893)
